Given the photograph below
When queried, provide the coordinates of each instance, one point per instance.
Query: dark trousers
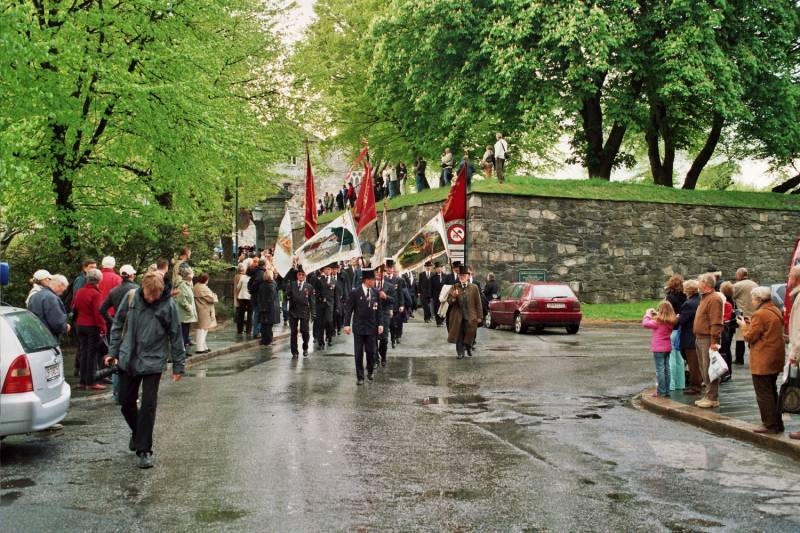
(725, 348)
(140, 419)
(186, 327)
(89, 342)
(323, 324)
(244, 316)
(740, 352)
(294, 322)
(362, 344)
(460, 346)
(426, 308)
(695, 377)
(436, 304)
(382, 342)
(767, 398)
(396, 325)
(266, 333)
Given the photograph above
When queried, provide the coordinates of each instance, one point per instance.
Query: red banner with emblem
(365, 212)
(311, 200)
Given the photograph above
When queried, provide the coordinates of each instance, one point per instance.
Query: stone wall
(613, 251)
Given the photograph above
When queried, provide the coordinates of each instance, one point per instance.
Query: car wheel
(573, 329)
(489, 322)
(519, 326)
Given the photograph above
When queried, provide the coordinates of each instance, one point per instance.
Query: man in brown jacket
(741, 295)
(465, 313)
(707, 329)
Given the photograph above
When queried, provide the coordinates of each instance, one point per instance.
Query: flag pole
(466, 206)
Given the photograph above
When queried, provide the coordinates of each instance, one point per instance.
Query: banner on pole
(381, 245)
(454, 213)
(282, 258)
(429, 243)
(335, 242)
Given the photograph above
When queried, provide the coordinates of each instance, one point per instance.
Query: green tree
(124, 121)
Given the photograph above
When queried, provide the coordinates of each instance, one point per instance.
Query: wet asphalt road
(534, 433)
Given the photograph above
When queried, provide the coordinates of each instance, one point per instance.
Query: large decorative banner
(335, 242)
(429, 243)
(454, 213)
(381, 244)
(282, 258)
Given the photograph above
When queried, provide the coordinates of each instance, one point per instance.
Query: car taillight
(576, 306)
(19, 377)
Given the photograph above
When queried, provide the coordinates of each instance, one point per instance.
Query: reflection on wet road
(534, 433)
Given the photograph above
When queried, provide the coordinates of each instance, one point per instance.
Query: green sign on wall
(532, 274)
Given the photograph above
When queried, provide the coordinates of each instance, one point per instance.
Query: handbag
(789, 398)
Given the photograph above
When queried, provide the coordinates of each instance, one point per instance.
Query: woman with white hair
(242, 297)
(764, 333)
(187, 312)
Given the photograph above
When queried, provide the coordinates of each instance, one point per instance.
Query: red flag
(365, 211)
(355, 163)
(455, 207)
(311, 200)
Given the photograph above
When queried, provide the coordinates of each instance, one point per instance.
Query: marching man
(363, 311)
(464, 314)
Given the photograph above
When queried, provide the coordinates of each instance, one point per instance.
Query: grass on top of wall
(628, 311)
(596, 189)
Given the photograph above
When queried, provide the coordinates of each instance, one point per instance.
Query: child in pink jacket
(661, 321)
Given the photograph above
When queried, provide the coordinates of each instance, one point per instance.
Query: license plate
(556, 306)
(53, 372)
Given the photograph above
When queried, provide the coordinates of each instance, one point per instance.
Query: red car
(537, 305)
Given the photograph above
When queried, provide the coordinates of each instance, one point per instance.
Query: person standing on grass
(708, 325)
(764, 333)
(661, 321)
(419, 172)
(500, 151)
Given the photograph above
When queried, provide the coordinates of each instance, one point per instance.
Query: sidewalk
(222, 340)
(737, 416)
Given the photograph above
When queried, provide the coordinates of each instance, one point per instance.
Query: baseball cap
(127, 270)
(41, 274)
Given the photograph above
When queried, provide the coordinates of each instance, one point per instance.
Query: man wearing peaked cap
(300, 295)
(362, 319)
(425, 291)
(464, 313)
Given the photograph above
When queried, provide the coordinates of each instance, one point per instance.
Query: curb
(717, 423)
(190, 362)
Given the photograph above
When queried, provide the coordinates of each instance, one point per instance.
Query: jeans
(662, 372)
(394, 190)
(185, 328)
(256, 319)
(447, 175)
(422, 183)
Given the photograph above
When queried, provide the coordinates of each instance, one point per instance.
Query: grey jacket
(50, 310)
(153, 332)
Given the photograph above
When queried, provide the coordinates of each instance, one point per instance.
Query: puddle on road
(590, 416)
(19, 483)
(620, 496)
(337, 354)
(453, 494)
(691, 525)
(219, 515)
(461, 399)
(235, 367)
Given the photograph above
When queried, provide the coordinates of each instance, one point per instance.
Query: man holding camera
(146, 330)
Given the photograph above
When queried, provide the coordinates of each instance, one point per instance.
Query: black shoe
(330, 344)
(469, 353)
(131, 445)
(392, 344)
(360, 382)
(305, 354)
(460, 356)
(295, 355)
(145, 460)
(369, 376)
(383, 362)
(726, 378)
(398, 340)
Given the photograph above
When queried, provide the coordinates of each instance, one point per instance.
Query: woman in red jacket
(91, 328)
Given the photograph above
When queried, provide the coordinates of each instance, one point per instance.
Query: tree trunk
(705, 154)
(788, 185)
(600, 157)
(62, 183)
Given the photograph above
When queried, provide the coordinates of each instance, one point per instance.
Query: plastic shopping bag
(677, 372)
(716, 366)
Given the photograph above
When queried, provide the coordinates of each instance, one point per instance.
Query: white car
(33, 393)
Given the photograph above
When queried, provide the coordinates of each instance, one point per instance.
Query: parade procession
(330, 287)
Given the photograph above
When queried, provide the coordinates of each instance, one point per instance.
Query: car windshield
(30, 331)
(552, 291)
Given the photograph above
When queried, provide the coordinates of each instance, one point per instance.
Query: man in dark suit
(424, 290)
(363, 312)
(301, 308)
(324, 306)
(437, 282)
(387, 295)
(410, 278)
(398, 286)
(340, 298)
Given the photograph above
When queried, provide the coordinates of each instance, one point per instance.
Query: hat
(389, 262)
(714, 270)
(299, 269)
(39, 275)
(463, 269)
(428, 263)
(437, 264)
(456, 264)
(127, 270)
(367, 273)
(109, 262)
(332, 265)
